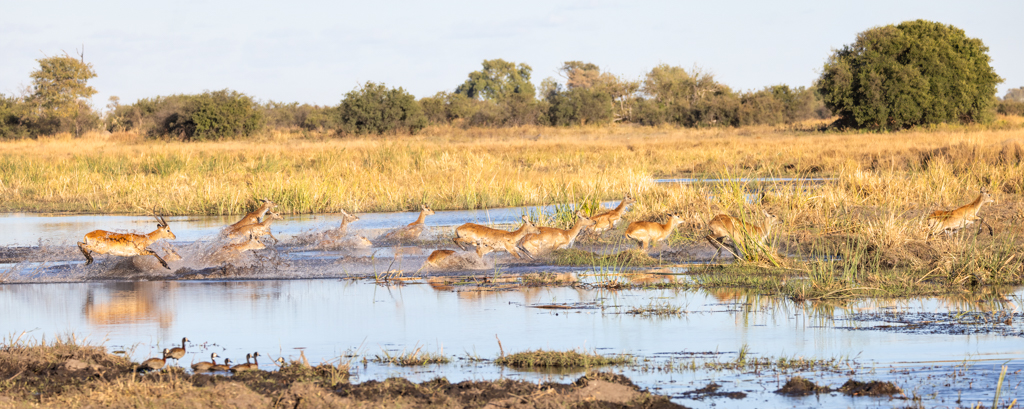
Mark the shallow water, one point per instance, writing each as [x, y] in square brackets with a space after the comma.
[328, 319]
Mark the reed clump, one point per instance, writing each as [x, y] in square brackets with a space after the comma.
[560, 359]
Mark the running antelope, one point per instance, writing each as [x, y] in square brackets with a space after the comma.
[125, 244]
[257, 230]
[549, 238]
[338, 233]
[412, 230]
[607, 220]
[647, 234]
[738, 232]
[952, 220]
[487, 239]
[254, 216]
[231, 251]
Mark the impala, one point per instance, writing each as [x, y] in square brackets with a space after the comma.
[952, 220]
[412, 230]
[487, 239]
[125, 244]
[739, 232]
[338, 233]
[254, 217]
[607, 220]
[257, 230]
[647, 234]
[549, 238]
[231, 251]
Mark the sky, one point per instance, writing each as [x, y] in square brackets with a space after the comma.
[316, 51]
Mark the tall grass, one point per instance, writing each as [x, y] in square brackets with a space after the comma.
[451, 168]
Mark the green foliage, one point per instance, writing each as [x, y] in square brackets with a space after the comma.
[459, 109]
[581, 106]
[1010, 108]
[376, 109]
[59, 92]
[12, 122]
[208, 116]
[1014, 95]
[919, 72]
[498, 80]
[779, 104]
[687, 99]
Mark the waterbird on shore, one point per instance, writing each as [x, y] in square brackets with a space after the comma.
[220, 368]
[178, 353]
[153, 364]
[205, 366]
[247, 366]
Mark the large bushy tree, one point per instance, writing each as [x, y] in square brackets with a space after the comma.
[377, 109]
[498, 80]
[60, 92]
[917, 72]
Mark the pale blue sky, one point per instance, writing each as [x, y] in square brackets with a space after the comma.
[314, 52]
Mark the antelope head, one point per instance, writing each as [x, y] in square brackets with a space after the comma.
[769, 221]
[426, 210]
[586, 222]
[628, 199]
[347, 217]
[273, 216]
[530, 227]
[270, 205]
[675, 219]
[985, 196]
[163, 231]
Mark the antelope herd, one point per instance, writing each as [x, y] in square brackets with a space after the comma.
[528, 240]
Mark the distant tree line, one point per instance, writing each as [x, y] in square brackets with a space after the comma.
[891, 77]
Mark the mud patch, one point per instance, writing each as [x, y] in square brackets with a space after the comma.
[872, 388]
[710, 391]
[1003, 323]
[799, 386]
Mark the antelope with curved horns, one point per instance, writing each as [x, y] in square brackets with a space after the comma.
[125, 244]
[607, 220]
[647, 234]
[256, 230]
[952, 220]
[487, 239]
[254, 216]
[738, 232]
[549, 238]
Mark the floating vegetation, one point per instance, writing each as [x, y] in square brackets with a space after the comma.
[656, 310]
[560, 359]
[417, 357]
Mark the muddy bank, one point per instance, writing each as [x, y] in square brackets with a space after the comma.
[66, 375]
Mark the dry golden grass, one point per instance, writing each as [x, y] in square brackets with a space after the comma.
[453, 168]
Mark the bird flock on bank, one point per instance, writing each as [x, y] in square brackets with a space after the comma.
[177, 353]
[528, 240]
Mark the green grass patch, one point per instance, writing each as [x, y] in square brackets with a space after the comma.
[560, 359]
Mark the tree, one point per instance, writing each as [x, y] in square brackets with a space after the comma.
[60, 89]
[498, 80]
[377, 109]
[918, 72]
[1014, 94]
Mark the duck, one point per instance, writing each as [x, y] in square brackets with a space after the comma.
[178, 353]
[153, 364]
[221, 368]
[247, 366]
[205, 366]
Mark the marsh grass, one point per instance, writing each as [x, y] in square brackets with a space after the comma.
[653, 309]
[416, 357]
[560, 359]
[616, 261]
